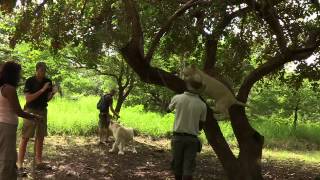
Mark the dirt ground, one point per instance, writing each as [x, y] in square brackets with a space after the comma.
[83, 158]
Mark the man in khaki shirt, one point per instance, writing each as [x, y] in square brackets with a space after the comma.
[190, 113]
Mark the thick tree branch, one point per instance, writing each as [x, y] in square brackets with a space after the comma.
[273, 64]
[126, 83]
[218, 142]
[150, 74]
[100, 72]
[213, 39]
[227, 20]
[130, 85]
[129, 77]
[167, 25]
[122, 72]
[268, 13]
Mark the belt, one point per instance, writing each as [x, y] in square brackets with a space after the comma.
[183, 134]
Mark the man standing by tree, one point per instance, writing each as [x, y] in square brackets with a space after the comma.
[38, 92]
[190, 112]
[104, 104]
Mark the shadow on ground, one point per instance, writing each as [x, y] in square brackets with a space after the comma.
[82, 158]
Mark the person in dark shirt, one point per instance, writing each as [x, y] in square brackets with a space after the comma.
[38, 92]
[104, 104]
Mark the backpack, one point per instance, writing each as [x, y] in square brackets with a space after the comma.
[103, 103]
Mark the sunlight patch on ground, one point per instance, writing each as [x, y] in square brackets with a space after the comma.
[309, 157]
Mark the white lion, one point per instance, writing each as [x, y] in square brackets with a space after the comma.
[122, 136]
[213, 88]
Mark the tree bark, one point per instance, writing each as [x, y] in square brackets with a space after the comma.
[124, 89]
[247, 165]
[120, 101]
[122, 95]
[149, 74]
[250, 145]
[250, 141]
[220, 146]
[135, 58]
[166, 27]
[295, 120]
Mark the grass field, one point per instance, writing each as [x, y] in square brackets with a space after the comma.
[80, 117]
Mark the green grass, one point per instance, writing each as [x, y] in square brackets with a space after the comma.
[309, 157]
[147, 123]
[279, 134]
[72, 117]
[80, 117]
[76, 117]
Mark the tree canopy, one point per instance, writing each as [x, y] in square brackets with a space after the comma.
[239, 42]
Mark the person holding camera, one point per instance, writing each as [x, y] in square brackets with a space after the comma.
[38, 92]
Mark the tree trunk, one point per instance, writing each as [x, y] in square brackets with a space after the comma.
[250, 145]
[123, 92]
[220, 146]
[295, 120]
[120, 101]
[121, 97]
[247, 166]
[149, 74]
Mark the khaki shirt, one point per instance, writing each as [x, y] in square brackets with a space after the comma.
[190, 110]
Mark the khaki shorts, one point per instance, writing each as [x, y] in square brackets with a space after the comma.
[8, 153]
[31, 128]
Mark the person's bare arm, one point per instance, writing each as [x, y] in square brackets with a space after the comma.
[11, 94]
[32, 96]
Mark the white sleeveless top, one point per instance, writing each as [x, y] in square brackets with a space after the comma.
[7, 115]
